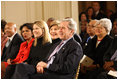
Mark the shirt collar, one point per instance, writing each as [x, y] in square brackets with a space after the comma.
[91, 37]
[97, 12]
[12, 37]
[66, 40]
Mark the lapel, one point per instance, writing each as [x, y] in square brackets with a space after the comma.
[11, 44]
[61, 51]
[52, 49]
[101, 44]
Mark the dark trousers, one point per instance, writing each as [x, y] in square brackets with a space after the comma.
[23, 71]
[104, 75]
[52, 75]
[9, 71]
[90, 74]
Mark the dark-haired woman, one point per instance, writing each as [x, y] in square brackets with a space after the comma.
[90, 13]
[54, 31]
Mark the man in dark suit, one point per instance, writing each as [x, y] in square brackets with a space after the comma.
[13, 44]
[98, 13]
[64, 56]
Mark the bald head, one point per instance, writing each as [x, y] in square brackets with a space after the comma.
[10, 29]
[11, 24]
[90, 28]
[92, 22]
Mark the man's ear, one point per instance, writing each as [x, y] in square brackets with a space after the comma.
[15, 29]
[72, 31]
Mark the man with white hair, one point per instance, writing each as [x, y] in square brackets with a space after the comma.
[13, 44]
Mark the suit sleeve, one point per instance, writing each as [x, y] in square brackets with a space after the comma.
[69, 62]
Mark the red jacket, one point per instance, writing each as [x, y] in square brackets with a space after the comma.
[23, 52]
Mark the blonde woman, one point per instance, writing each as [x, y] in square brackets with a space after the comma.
[38, 51]
[42, 40]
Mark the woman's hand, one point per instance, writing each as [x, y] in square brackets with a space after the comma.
[9, 61]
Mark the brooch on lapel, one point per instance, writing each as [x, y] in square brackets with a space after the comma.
[63, 48]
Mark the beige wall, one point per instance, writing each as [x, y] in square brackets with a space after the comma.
[21, 12]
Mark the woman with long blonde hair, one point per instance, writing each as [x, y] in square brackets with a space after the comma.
[44, 33]
[41, 43]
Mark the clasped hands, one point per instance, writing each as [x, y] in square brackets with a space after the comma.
[90, 68]
[40, 67]
[108, 65]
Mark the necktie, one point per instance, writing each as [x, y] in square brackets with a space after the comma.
[88, 39]
[55, 51]
[8, 42]
[114, 57]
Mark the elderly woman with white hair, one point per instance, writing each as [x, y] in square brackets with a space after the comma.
[97, 47]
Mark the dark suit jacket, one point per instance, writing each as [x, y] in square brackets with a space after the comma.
[98, 53]
[66, 61]
[77, 38]
[100, 16]
[13, 48]
[111, 51]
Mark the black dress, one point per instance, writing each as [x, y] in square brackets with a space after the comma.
[38, 52]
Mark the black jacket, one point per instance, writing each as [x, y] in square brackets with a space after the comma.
[97, 54]
[13, 48]
[66, 61]
[100, 16]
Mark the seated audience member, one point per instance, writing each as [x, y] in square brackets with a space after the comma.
[54, 31]
[83, 24]
[114, 29]
[98, 13]
[4, 37]
[96, 49]
[13, 44]
[83, 33]
[49, 21]
[26, 32]
[109, 13]
[65, 55]
[38, 51]
[90, 13]
[110, 61]
[90, 32]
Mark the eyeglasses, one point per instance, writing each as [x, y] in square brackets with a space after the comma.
[99, 27]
